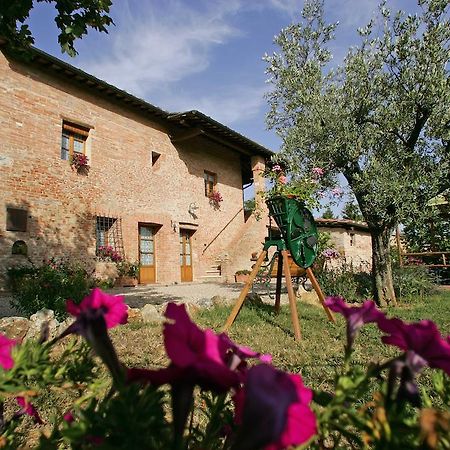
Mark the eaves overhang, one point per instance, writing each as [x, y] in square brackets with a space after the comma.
[183, 124]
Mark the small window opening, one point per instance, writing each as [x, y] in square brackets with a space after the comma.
[352, 239]
[19, 248]
[210, 179]
[155, 157]
[16, 219]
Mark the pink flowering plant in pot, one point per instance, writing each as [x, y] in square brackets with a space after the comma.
[309, 187]
[215, 199]
[80, 163]
[108, 253]
[215, 394]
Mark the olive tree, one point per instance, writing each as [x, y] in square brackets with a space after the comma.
[381, 117]
[73, 19]
[351, 212]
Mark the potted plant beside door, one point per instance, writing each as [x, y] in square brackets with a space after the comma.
[128, 274]
[242, 276]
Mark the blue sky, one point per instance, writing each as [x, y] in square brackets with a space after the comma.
[199, 54]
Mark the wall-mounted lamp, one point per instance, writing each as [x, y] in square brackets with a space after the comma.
[175, 225]
[192, 210]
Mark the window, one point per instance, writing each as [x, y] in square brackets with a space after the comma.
[19, 248]
[210, 179]
[73, 140]
[109, 240]
[16, 219]
[155, 157]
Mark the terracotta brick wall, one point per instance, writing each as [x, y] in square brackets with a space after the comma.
[62, 204]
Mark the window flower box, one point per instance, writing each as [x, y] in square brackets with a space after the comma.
[80, 163]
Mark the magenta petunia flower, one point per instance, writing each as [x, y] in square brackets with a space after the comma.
[356, 316]
[95, 314]
[422, 338]
[112, 307]
[27, 408]
[6, 345]
[235, 355]
[273, 410]
[197, 356]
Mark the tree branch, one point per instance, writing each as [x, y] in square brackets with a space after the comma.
[422, 116]
[394, 132]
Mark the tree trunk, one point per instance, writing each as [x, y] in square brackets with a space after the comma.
[383, 287]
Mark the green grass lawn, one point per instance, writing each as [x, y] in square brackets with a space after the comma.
[315, 357]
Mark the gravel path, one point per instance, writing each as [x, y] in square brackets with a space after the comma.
[200, 294]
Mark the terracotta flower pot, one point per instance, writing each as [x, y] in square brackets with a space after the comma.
[126, 282]
[241, 278]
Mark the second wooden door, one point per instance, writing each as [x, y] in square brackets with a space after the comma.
[186, 255]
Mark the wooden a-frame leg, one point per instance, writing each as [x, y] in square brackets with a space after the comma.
[291, 295]
[278, 288]
[238, 305]
[319, 292]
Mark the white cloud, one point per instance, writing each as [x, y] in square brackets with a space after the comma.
[229, 105]
[157, 45]
[351, 13]
[291, 7]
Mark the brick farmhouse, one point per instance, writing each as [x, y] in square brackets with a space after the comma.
[145, 194]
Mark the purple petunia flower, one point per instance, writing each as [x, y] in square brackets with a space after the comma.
[273, 410]
[422, 338]
[356, 316]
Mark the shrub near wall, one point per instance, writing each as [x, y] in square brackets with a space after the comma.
[345, 281]
[48, 286]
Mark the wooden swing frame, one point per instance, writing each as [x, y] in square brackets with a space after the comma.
[283, 263]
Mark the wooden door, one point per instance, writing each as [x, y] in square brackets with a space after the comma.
[186, 255]
[147, 272]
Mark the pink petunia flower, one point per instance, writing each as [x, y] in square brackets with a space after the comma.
[27, 408]
[421, 338]
[273, 410]
[282, 179]
[112, 307]
[6, 345]
[356, 316]
[317, 171]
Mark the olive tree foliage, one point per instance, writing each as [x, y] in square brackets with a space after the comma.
[381, 118]
[351, 211]
[73, 19]
[429, 232]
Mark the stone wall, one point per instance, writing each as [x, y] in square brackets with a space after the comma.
[354, 245]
